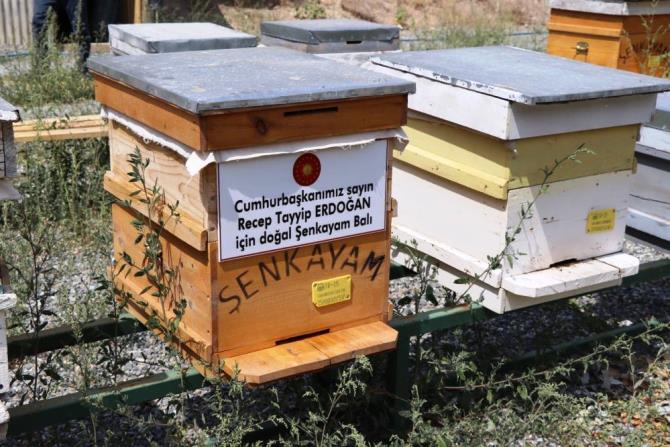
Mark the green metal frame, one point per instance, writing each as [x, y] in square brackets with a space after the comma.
[40, 414]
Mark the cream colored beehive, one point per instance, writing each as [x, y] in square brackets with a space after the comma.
[483, 125]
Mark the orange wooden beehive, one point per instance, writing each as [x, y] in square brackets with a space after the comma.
[238, 138]
[629, 35]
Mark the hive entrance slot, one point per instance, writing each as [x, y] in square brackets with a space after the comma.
[354, 42]
[311, 111]
[563, 263]
[301, 337]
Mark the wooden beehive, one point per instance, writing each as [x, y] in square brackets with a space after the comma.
[150, 38]
[629, 35]
[650, 195]
[277, 121]
[345, 40]
[484, 125]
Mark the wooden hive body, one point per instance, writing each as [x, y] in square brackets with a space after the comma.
[630, 36]
[650, 195]
[257, 310]
[489, 163]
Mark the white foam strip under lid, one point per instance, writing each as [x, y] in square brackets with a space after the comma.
[9, 116]
[197, 160]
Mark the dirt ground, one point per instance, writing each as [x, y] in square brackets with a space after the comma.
[410, 14]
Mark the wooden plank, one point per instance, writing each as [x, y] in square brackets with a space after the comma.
[185, 228]
[196, 195]
[254, 126]
[192, 281]
[52, 129]
[347, 344]
[276, 362]
[303, 121]
[176, 123]
[268, 298]
[312, 353]
[564, 278]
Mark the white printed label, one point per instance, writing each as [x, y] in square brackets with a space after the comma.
[278, 202]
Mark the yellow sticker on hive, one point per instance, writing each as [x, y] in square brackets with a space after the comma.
[601, 220]
[331, 291]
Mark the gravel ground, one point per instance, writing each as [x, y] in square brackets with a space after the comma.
[528, 329]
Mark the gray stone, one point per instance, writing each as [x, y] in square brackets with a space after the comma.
[521, 76]
[200, 81]
[173, 37]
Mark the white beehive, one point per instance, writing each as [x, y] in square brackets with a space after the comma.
[483, 125]
[8, 115]
[148, 38]
[650, 196]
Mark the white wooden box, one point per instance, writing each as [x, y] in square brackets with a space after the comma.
[650, 196]
[8, 115]
[570, 242]
[7, 301]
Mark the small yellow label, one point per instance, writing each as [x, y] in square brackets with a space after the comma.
[601, 220]
[331, 291]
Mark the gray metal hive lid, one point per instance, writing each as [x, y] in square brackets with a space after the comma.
[200, 81]
[8, 112]
[172, 37]
[318, 31]
[522, 76]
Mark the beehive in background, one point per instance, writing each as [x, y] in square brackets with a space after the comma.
[8, 115]
[345, 40]
[484, 126]
[629, 35]
[148, 38]
[650, 196]
[280, 162]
